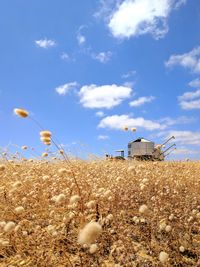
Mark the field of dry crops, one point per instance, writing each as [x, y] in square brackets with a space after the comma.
[99, 213]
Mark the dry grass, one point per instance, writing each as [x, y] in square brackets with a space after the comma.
[143, 208]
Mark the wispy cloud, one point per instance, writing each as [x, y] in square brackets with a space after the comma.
[190, 100]
[167, 121]
[45, 43]
[141, 101]
[190, 60]
[105, 96]
[185, 151]
[100, 114]
[65, 56]
[138, 17]
[65, 88]
[118, 122]
[129, 74]
[80, 36]
[103, 137]
[102, 57]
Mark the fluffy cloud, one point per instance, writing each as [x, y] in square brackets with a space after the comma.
[118, 122]
[141, 101]
[137, 17]
[45, 43]
[185, 137]
[105, 96]
[190, 100]
[102, 57]
[65, 88]
[190, 60]
[195, 83]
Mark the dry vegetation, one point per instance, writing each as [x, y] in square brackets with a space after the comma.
[142, 214]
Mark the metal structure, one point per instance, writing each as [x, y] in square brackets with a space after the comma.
[142, 149]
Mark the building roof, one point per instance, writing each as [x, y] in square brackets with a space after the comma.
[141, 139]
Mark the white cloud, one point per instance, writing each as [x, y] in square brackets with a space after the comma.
[45, 43]
[188, 105]
[129, 74]
[64, 56]
[80, 37]
[141, 101]
[179, 120]
[105, 96]
[195, 83]
[190, 100]
[103, 137]
[118, 122]
[65, 88]
[184, 137]
[105, 8]
[99, 114]
[137, 17]
[190, 60]
[103, 57]
[185, 151]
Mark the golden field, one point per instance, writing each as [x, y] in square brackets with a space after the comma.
[145, 213]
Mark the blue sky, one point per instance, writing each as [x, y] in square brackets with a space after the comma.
[85, 69]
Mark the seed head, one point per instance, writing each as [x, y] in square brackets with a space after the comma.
[19, 210]
[181, 249]
[89, 233]
[46, 133]
[143, 208]
[163, 257]
[9, 226]
[74, 199]
[45, 154]
[21, 112]
[93, 248]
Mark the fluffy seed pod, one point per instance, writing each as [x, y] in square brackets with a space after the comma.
[19, 210]
[143, 208]
[133, 129]
[125, 128]
[163, 257]
[24, 147]
[60, 198]
[168, 228]
[181, 249]
[9, 227]
[89, 233]
[93, 248]
[45, 154]
[21, 112]
[46, 134]
[90, 204]
[74, 199]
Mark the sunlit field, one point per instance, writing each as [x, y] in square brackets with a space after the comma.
[56, 212]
